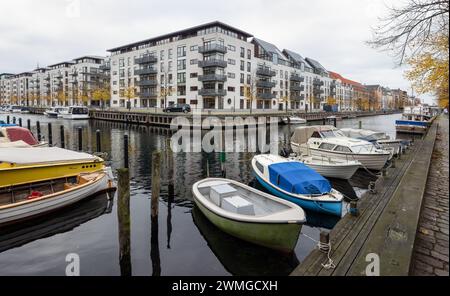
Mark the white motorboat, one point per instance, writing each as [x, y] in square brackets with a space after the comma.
[416, 120]
[330, 167]
[75, 113]
[294, 120]
[55, 111]
[24, 202]
[15, 109]
[327, 141]
[249, 214]
[379, 138]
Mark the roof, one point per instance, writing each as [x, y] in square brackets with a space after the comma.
[90, 57]
[297, 178]
[269, 47]
[297, 58]
[183, 32]
[335, 75]
[42, 155]
[62, 63]
[316, 65]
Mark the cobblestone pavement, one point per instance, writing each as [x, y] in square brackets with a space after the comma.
[431, 248]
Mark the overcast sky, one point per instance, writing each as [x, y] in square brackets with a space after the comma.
[331, 31]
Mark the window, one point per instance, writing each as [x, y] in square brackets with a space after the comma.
[170, 66]
[162, 67]
[249, 67]
[343, 149]
[181, 78]
[231, 75]
[122, 73]
[241, 91]
[326, 146]
[242, 66]
[194, 62]
[161, 55]
[181, 90]
[231, 47]
[194, 88]
[249, 79]
[181, 51]
[242, 52]
[121, 63]
[230, 88]
[231, 62]
[194, 47]
[169, 53]
[242, 78]
[114, 82]
[194, 75]
[181, 65]
[249, 54]
[260, 167]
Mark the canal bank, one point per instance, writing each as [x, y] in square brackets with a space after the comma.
[385, 229]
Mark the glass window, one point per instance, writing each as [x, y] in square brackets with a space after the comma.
[181, 65]
[260, 167]
[342, 149]
[181, 51]
[242, 52]
[170, 53]
[249, 67]
[326, 146]
[242, 66]
[249, 54]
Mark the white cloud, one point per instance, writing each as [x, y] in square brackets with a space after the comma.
[333, 32]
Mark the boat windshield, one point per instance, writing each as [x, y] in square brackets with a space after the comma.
[366, 148]
[331, 134]
[79, 110]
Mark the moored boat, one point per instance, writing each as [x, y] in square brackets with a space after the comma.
[16, 136]
[297, 183]
[330, 167]
[75, 113]
[24, 165]
[249, 214]
[415, 120]
[55, 111]
[379, 138]
[294, 120]
[21, 202]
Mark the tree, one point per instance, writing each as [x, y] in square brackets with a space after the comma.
[285, 99]
[129, 93]
[406, 31]
[430, 69]
[331, 101]
[250, 92]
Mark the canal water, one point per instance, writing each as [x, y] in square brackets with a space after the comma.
[183, 242]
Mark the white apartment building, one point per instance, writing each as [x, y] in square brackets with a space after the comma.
[5, 88]
[214, 66]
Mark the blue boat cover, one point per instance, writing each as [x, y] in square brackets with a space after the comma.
[297, 178]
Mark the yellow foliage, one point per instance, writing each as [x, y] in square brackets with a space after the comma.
[331, 101]
[429, 70]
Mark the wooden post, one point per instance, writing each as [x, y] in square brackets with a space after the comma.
[324, 241]
[61, 135]
[99, 144]
[360, 124]
[7, 119]
[156, 182]
[29, 124]
[223, 159]
[80, 138]
[123, 214]
[38, 130]
[125, 151]
[14, 120]
[171, 189]
[335, 122]
[393, 162]
[20, 122]
[354, 208]
[50, 135]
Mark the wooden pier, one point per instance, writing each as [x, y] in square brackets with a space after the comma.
[386, 225]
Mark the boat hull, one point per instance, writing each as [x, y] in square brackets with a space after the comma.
[29, 210]
[338, 172]
[75, 117]
[279, 236]
[328, 207]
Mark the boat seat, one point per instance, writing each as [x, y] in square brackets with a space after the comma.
[68, 186]
[238, 205]
[219, 192]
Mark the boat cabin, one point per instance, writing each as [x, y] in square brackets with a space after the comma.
[11, 134]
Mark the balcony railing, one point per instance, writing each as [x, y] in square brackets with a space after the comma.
[212, 48]
[146, 60]
[145, 71]
[265, 72]
[212, 92]
[212, 77]
[212, 63]
[297, 97]
[318, 82]
[105, 67]
[296, 77]
[318, 91]
[148, 82]
[265, 84]
[265, 96]
[297, 87]
[148, 94]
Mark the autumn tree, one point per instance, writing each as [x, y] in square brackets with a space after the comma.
[129, 93]
[250, 92]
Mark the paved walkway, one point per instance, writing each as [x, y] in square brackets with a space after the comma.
[431, 249]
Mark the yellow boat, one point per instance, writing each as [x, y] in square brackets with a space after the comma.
[26, 165]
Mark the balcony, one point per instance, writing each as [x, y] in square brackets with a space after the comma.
[265, 96]
[105, 67]
[212, 77]
[146, 71]
[47, 78]
[265, 84]
[148, 94]
[317, 82]
[318, 91]
[297, 78]
[206, 92]
[212, 63]
[297, 97]
[212, 48]
[297, 87]
[148, 82]
[265, 72]
[146, 60]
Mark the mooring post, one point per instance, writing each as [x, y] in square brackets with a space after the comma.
[324, 121]
[125, 151]
[80, 138]
[372, 188]
[223, 159]
[324, 241]
[360, 124]
[335, 122]
[14, 120]
[354, 208]
[7, 119]
[383, 172]
[393, 162]
[61, 135]
[156, 182]
[50, 135]
[207, 167]
[29, 124]
[123, 213]
[38, 130]
[98, 140]
[20, 122]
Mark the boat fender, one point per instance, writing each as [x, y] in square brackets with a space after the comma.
[35, 194]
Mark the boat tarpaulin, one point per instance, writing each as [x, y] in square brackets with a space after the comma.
[20, 133]
[297, 178]
[42, 155]
[303, 133]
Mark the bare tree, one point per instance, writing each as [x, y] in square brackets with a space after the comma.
[405, 31]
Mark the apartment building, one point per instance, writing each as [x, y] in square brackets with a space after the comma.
[215, 66]
[5, 88]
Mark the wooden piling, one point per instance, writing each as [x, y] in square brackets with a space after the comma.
[38, 130]
[29, 124]
[80, 138]
[156, 182]
[125, 151]
[14, 120]
[7, 119]
[61, 135]
[50, 134]
[98, 140]
[123, 214]
[20, 122]
[360, 124]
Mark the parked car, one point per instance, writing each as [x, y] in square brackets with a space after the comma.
[185, 108]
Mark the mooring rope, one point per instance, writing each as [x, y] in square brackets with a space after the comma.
[325, 248]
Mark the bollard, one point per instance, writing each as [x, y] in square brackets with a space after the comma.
[360, 124]
[80, 138]
[7, 119]
[354, 208]
[61, 135]
[156, 182]
[123, 213]
[125, 151]
[20, 122]
[99, 145]
[38, 130]
[324, 245]
[50, 135]
[29, 124]
[14, 120]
